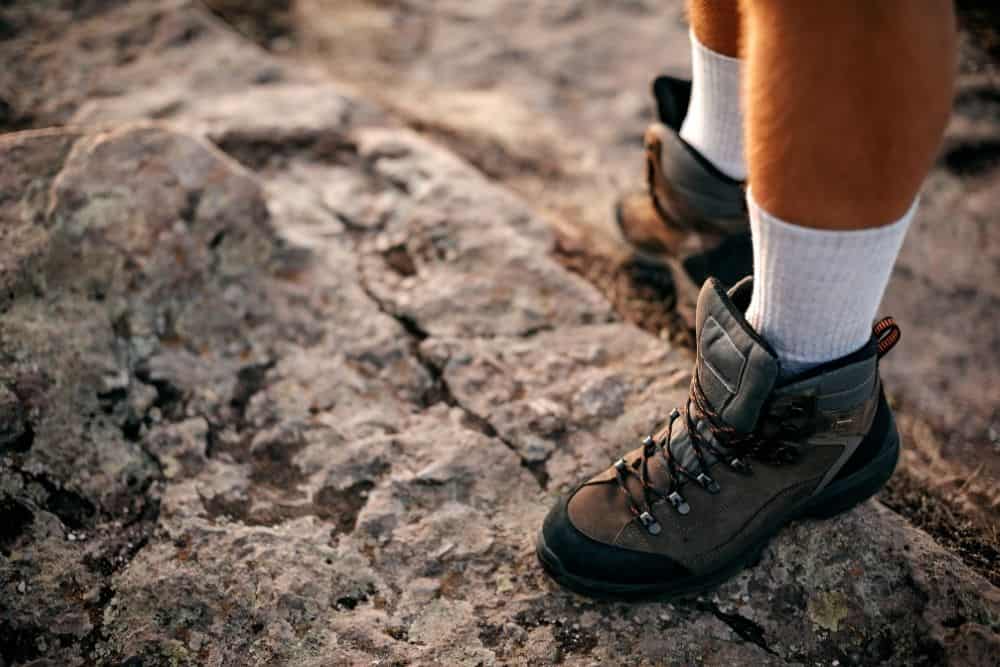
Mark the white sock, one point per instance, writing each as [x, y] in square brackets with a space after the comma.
[714, 121]
[816, 291]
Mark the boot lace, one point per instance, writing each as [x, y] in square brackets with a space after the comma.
[708, 433]
[768, 443]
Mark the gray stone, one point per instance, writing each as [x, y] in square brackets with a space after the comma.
[14, 428]
[308, 403]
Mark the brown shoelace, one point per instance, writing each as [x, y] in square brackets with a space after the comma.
[737, 448]
[773, 449]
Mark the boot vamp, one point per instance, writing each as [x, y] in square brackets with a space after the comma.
[798, 436]
[748, 506]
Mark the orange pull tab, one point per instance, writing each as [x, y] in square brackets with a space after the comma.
[887, 332]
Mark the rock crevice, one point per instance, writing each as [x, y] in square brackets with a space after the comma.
[301, 385]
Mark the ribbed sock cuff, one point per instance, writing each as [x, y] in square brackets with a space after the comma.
[816, 291]
[714, 121]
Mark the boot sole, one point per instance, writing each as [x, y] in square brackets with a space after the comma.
[838, 497]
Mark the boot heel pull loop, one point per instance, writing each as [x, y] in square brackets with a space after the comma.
[887, 332]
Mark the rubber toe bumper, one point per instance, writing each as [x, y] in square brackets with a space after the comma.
[569, 554]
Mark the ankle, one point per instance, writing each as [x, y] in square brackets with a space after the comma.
[816, 292]
[714, 121]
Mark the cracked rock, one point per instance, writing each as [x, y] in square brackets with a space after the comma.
[297, 374]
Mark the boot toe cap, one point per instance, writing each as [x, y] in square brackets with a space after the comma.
[574, 555]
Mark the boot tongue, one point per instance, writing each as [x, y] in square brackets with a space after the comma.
[736, 367]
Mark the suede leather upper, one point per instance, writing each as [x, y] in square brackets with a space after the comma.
[593, 529]
[689, 210]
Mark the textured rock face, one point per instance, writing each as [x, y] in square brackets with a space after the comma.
[553, 104]
[284, 383]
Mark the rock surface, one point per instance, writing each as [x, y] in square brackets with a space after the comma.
[285, 382]
[553, 105]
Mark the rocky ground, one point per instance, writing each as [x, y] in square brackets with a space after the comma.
[551, 98]
[290, 376]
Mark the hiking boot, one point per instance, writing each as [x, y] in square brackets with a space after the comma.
[697, 501]
[690, 217]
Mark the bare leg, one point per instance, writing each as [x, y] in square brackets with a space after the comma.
[846, 102]
[717, 24]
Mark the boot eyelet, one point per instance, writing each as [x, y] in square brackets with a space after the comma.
[650, 523]
[708, 483]
[621, 466]
[677, 500]
[739, 465]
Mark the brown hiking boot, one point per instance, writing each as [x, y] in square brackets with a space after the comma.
[690, 217]
[699, 500]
